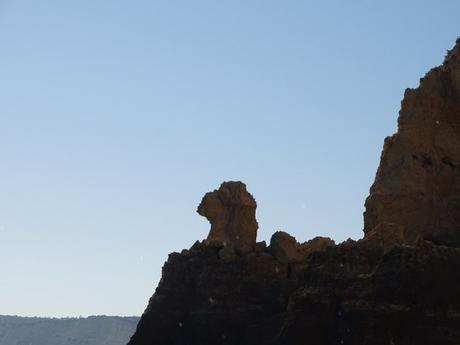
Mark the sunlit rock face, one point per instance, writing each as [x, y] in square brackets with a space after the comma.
[417, 186]
[231, 210]
[399, 285]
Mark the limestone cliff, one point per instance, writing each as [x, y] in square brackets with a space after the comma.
[399, 285]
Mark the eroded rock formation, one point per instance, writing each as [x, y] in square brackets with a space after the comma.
[286, 249]
[231, 210]
[417, 187]
[399, 285]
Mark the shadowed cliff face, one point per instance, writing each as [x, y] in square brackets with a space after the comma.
[399, 285]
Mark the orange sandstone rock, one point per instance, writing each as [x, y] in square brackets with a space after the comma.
[417, 187]
[231, 210]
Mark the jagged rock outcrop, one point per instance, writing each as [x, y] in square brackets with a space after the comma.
[350, 294]
[399, 285]
[231, 210]
[285, 248]
[417, 187]
[316, 244]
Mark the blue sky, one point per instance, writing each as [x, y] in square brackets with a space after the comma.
[116, 117]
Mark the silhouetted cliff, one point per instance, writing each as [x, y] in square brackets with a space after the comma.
[399, 285]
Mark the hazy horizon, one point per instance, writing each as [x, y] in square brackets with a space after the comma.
[117, 118]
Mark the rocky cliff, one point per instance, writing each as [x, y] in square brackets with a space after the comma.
[417, 187]
[399, 285]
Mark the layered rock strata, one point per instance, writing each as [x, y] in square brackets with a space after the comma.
[399, 285]
[417, 187]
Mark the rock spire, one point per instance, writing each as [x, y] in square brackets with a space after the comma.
[231, 210]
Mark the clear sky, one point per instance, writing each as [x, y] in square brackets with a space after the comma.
[117, 116]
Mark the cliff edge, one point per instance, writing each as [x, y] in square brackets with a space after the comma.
[399, 285]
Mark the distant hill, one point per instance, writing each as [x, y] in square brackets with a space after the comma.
[94, 330]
